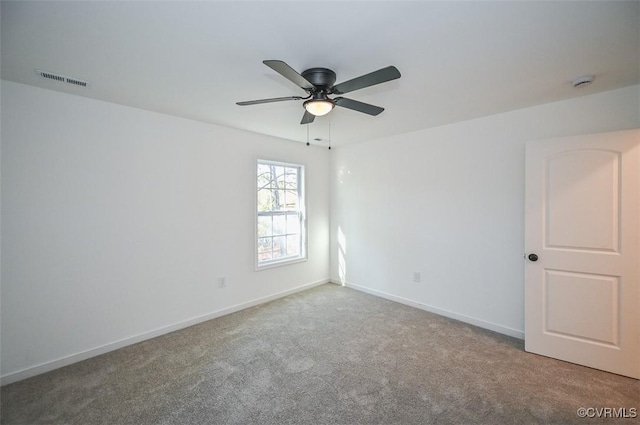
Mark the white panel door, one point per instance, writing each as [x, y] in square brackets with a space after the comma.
[582, 296]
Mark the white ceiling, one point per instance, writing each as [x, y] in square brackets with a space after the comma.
[459, 60]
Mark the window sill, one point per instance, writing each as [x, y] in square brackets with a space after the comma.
[281, 263]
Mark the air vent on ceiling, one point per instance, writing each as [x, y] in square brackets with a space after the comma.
[62, 78]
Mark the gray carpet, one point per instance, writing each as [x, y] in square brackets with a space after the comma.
[330, 355]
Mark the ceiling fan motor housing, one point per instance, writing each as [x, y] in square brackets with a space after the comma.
[321, 78]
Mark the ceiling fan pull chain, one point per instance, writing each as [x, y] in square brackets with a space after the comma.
[329, 132]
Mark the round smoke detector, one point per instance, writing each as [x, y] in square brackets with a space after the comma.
[583, 81]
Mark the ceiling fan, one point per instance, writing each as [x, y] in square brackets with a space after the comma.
[319, 84]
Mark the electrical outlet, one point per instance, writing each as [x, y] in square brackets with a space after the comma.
[222, 282]
[416, 276]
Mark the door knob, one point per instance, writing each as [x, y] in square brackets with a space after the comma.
[533, 257]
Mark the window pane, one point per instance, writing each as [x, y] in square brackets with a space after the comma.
[287, 200]
[279, 246]
[293, 245]
[264, 176]
[282, 203]
[293, 224]
[279, 224]
[264, 249]
[279, 177]
[291, 179]
[264, 226]
[265, 200]
[292, 199]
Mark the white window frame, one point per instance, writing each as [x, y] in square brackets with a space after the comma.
[301, 213]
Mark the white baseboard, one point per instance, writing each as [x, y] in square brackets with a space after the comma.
[446, 313]
[74, 358]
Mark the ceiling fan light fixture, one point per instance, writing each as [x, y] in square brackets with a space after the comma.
[318, 107]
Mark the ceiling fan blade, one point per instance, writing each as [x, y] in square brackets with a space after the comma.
[376, 77]
[357, 106]
[273, 99]
[307, 118]
[289, 73]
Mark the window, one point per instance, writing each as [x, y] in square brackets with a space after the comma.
[281, 219]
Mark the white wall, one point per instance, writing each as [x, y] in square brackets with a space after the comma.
[117, 222]
[448, 202]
